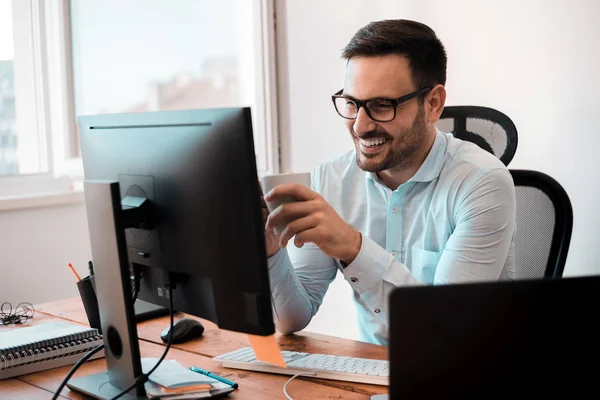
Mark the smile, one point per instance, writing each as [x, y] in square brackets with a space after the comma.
[372, 142]
[371, 146]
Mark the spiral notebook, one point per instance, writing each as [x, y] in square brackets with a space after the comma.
[45, 346]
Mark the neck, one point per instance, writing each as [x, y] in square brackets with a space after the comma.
[396, 176]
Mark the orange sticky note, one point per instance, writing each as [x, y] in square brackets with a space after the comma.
[267, 349]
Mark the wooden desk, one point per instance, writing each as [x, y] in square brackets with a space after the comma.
[198, 352]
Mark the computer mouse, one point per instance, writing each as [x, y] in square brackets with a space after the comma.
[184, 329]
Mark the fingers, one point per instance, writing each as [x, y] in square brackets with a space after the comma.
[295, 190]
[290, 211]
[308, 236]
[294, 227]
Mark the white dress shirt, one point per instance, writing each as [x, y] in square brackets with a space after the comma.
[453, 221]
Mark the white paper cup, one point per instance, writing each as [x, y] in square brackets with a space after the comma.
[269, 182]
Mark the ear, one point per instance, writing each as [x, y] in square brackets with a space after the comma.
[434, 103]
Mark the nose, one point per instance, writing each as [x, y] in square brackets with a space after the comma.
[362, 123]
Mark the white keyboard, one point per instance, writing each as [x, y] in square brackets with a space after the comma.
[362, 370]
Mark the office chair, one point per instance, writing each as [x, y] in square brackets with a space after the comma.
[544, 225]
[490, 129]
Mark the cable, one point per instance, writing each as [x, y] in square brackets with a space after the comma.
[74, 368]
[135, 281]
[289, 380]
[8, 315]
[140, 380]
[84, 358]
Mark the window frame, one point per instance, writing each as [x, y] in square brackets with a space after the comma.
[46, 24]
[265, 37]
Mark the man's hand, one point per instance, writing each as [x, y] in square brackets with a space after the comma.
[312, 219]
[271, 238]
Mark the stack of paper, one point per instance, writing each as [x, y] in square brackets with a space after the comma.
[173, 381]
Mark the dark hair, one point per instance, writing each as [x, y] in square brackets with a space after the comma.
[415, 41]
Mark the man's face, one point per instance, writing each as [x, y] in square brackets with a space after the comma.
[382, 146]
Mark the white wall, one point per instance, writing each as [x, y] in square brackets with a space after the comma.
[537, 61]
[35, 247]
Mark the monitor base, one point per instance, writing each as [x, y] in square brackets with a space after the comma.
[98, 387]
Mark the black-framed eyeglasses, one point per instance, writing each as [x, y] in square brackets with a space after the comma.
[380, 109]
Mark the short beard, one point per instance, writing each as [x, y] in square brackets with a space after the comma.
[409, 142]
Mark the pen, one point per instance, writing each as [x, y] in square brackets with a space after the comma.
[74, 272]
[219, 378]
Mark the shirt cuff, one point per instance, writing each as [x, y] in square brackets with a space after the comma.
[369, 267]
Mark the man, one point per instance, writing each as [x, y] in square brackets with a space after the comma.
[410, 205]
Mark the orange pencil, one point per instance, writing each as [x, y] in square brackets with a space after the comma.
[74, 272]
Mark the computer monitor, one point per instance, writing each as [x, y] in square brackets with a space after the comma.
[172, 197]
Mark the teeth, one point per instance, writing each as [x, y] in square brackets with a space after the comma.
[371, 143]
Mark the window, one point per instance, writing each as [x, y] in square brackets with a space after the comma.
[61, 58]
[22, 146]
[8, 127]
[142, 55]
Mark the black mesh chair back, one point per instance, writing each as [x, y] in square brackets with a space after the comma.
[544, 225]
[490, 129]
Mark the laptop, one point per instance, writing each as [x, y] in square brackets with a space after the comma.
[532, 338]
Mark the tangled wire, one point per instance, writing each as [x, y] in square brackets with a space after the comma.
[18, 315]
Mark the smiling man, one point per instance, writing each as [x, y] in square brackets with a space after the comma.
[410, 205]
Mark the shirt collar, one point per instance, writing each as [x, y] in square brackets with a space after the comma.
[431, 167]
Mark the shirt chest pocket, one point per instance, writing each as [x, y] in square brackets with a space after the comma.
[423, 264]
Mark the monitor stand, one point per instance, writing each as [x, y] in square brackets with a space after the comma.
[107, 221]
